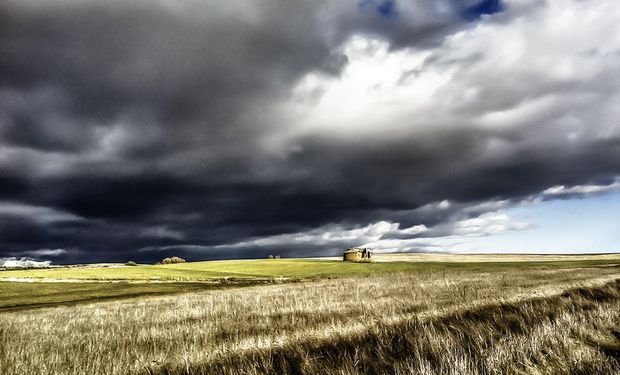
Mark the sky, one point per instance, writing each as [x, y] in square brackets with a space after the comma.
[136, 130]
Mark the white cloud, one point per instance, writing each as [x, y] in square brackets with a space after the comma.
[550, 75]
[333, 234]
[452, 239]
[561, 190]
[23, 263]
[386, 236]
[444, 205]
[40, 214]
[161, 231]
[488, 224]
[44, 253]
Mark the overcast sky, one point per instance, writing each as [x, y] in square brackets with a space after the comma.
[215, 129]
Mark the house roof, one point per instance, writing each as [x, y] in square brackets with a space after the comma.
[355, 250]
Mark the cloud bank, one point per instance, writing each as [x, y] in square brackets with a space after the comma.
[133, 130]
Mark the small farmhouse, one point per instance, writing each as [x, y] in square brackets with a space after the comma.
[356, 254]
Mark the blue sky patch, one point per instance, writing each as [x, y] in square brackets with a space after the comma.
[474, 12]
[385, 8]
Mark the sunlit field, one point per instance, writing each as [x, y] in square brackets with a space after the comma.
[540, 317]
[274, 269]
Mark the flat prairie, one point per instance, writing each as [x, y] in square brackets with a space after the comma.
[529, 316]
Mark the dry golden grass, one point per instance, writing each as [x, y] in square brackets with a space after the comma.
[526, 321]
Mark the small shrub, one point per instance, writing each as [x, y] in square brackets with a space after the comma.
[270, 256]
[172, 260]
[131, 263]
[277, 256]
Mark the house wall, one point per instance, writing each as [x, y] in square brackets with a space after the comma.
[352, 256]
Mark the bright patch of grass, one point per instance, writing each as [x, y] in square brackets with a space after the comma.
[279, 268]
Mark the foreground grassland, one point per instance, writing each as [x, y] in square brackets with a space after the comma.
[550, 318]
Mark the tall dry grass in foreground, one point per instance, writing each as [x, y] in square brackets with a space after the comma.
[497, 322]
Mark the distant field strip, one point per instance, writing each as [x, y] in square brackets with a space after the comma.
[476, 258]
[303, 268]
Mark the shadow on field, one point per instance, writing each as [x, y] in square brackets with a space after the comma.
[576, 332]
[15, 296]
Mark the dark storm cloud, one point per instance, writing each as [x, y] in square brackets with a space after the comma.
[144, 129]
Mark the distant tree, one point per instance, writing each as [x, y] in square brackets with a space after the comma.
[172, 260]
[270, 256]
[131, 263]
[277, 256]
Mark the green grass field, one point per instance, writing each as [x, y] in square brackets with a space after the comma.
[129, 282]
[265, 269]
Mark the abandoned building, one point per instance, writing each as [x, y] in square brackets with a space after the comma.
[356, 254]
